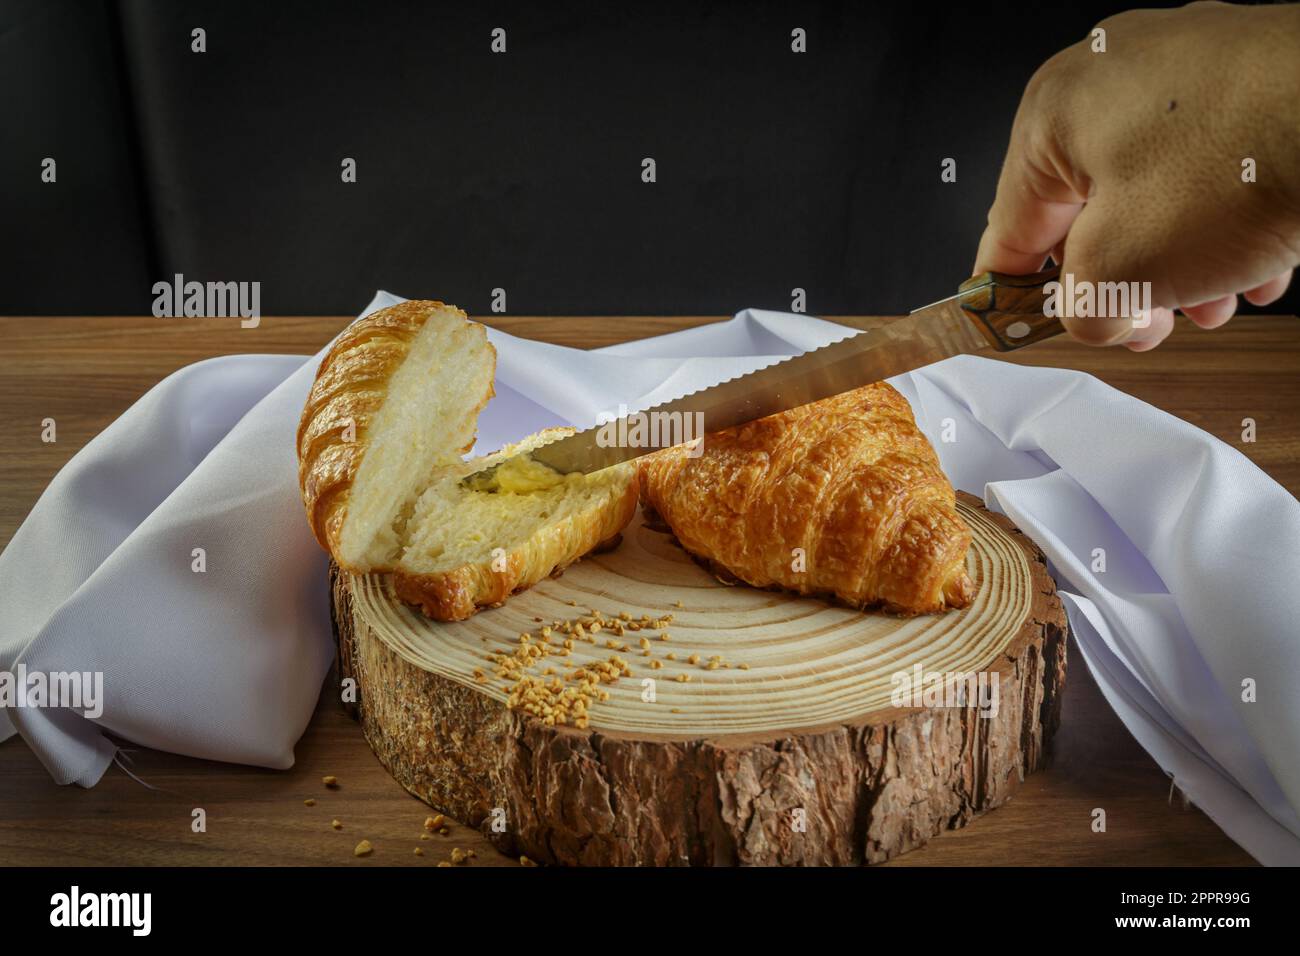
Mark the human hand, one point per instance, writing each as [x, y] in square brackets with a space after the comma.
[1128, 165]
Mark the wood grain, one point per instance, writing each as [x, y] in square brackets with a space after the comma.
[85, 371]
[714, 771]
[806, 662]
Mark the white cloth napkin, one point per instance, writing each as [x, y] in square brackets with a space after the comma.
[1202, 554]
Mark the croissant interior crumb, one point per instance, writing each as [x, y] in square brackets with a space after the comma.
[408, 505]
[453, 525]
[421, 424]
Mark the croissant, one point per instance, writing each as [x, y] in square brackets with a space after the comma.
[840, 498]
[394, 406]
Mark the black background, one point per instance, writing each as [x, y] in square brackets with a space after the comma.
[301, 906]
[522, 171]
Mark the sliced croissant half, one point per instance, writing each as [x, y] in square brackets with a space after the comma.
[393, 408]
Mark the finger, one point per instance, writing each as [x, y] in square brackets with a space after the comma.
[1031, 214]
[1143, 340]
[1090, 260]
[1018, 240]
[1270, 291]
[1212, 314]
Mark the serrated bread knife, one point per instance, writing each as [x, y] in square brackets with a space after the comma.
[991, 311]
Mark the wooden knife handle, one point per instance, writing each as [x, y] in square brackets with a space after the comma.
[1009, 309]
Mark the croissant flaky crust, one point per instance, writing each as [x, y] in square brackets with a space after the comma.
[393, 408]
[350, 388]
[850, 481]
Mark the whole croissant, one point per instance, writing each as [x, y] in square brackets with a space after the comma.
[843, 497]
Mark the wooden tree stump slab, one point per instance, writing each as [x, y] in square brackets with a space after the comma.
[798, 757]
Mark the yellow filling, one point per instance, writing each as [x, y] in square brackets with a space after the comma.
[521, 476]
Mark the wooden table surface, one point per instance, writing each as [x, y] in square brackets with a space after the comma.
[84, 372]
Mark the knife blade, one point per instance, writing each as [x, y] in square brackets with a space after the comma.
[989, 311]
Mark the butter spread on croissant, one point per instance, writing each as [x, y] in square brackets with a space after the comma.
[850, 480]
[520, 476]
[393, 408]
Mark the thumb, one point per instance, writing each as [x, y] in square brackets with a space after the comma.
[1031, 214]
